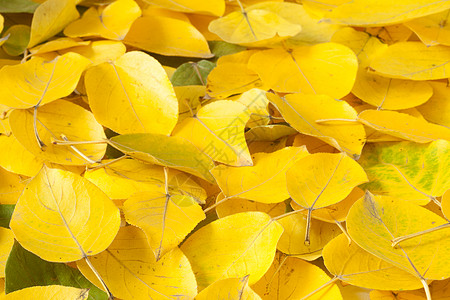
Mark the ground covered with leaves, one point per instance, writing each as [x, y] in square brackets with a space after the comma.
[225, 149]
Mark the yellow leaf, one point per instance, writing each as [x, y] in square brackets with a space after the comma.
[99, 51]
[256, 102]
[232, 76]
[54, 292]
[189, 98]
[169, 36]
[165, 217]
[6, 243]
[320, 8]
[62, 217]
[167, 151]
[432, 29]
[445, 203]
[123, 178]
[326, 68]
[130, 270]
[404, 126]
[293, 278]
[323, 179]
[217, 129]
[11, 186]
[303, 111]
[56, 121]
[391, 34]
[57, 45]
[235, 246]
[383, 12]
[132, 95]
[313, 144]
[230, 288]
[237, 205]
[38, 81]
[437, 109]
[110, 22]
[265, 181]
[50, 18]
[439, 290]
[292, 239]
[407, 170]
[258, 24]
[375, 220]
[386, 93]
[212, 7]
[269, 133]
[355, 266]
[412, 60]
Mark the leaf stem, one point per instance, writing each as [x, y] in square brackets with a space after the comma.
[400, 239]
[333, 280]
[344, 231]
[110, 295]
[426, 288]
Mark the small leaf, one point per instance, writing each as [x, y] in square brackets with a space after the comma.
[137, 86]
[192, 73]
[130, 270]
[50, 18]
[25, 269]
[62, 217]
[250, 240]
[38, 81]
[165, 151]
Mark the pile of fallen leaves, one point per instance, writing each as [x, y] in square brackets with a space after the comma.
[225, 149]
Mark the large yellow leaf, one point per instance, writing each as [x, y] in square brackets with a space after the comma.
[383, 12]
[56, 121]
[54, 292]
[130, 270]
[235, 246]
[355, 266]
[167, 151]
[413, 60]
[293, 278]
[230, 288]
[110, 22]
[387, 93]
[38, 81]
[232, 76]
[327, 68]
[6, 243]
[165, 217]
[100, 51]
[265, 181]
[168, 36]
[437, 109]
[121, 179]
[408, 170]
[58, 45]
[50, 18]
[292, 240]
[404, 126]
[432, 29]
[218, 130]
[132, 95]
[302, 111]
[212, 7]
[375, 220]
[258, 24]
[62, 217]
[257, 105]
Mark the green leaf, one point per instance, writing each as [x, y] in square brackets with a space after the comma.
[24, 269]
[6, 211]
[220, 48]
[192, 73]
[18, 6]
